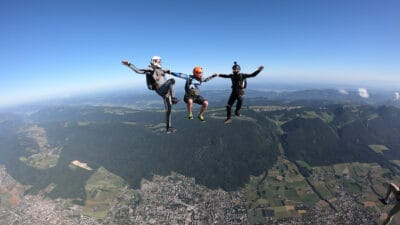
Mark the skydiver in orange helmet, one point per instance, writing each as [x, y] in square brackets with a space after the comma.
[192, 91]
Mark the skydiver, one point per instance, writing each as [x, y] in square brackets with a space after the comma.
[156, 80]
[192, 91]
[392, 188]
[239, 83]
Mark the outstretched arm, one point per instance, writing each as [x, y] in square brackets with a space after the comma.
[255, 73]
[224, 75]
[211, 77]
[134, 68]
[180, 75]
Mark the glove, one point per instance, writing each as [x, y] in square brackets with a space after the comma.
[126, 63]
[210, 77]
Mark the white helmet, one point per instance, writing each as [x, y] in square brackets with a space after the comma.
[156, 61]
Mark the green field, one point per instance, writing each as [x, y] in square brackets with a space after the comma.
[379, 148]
[102, 189]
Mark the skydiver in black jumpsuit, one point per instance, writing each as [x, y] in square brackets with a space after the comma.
[238, 85]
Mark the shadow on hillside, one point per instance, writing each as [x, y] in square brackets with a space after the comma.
[216, 155]
[346, 139]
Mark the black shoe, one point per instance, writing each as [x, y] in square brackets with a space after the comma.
[383, 201]
[174, 100]
[170, 130]
[237, 113]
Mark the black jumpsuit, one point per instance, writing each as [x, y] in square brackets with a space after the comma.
[238, 85]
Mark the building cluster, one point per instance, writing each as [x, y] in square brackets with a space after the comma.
[35, 209]
[177, 199]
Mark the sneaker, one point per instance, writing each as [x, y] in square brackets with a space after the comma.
[383, 201]
[174, 100]
[228, 120]
[190, 116]
[201, 118]
[171, 130]
[237, 113]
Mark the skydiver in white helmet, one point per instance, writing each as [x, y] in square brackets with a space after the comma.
[156, 80]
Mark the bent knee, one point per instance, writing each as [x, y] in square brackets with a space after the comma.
[205, 103]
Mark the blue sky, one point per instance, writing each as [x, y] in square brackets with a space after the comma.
[57, 48]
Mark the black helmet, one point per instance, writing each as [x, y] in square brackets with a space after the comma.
[235, 66]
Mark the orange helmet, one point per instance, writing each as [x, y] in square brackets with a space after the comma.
[197, 72]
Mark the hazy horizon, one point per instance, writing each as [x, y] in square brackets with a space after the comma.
[222, 85]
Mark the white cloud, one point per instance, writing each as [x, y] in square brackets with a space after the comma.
[363, 93]
[397, 95]
[343, 92]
